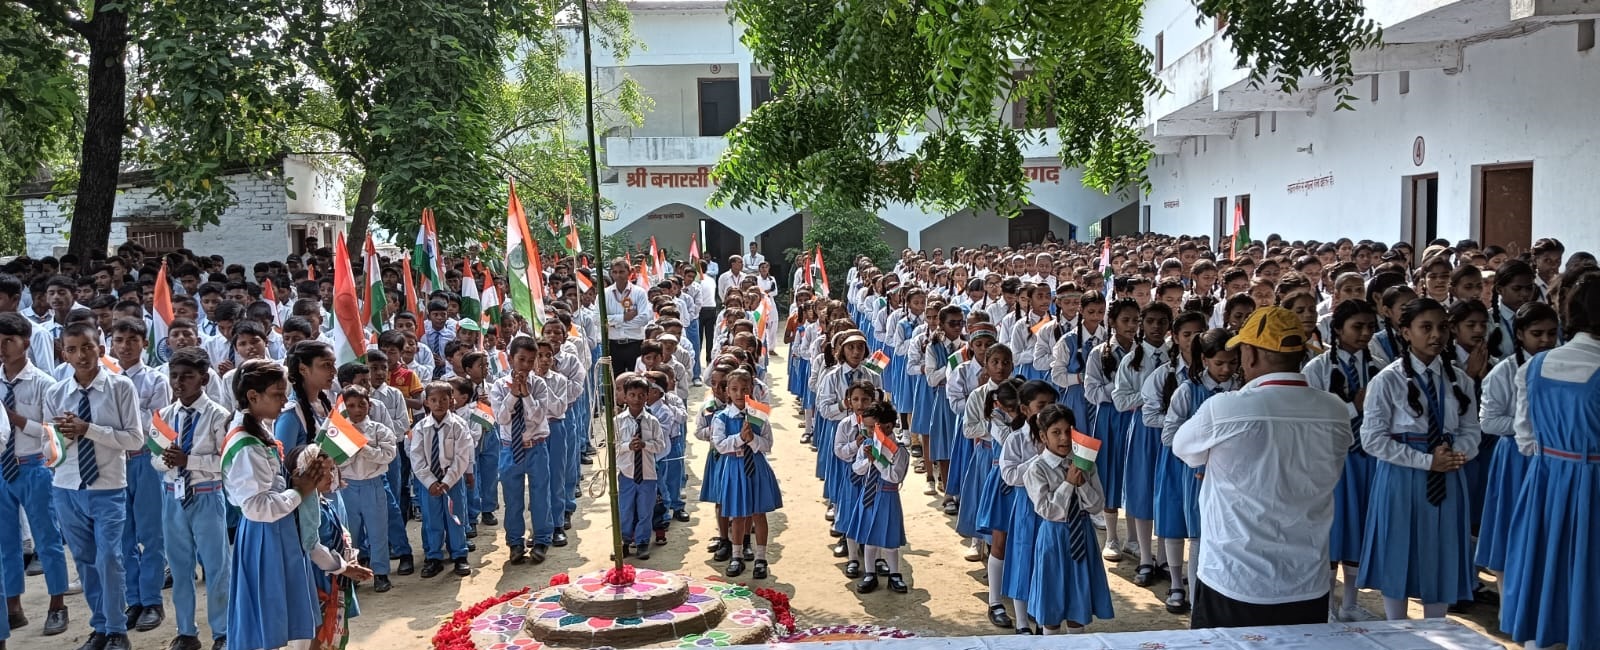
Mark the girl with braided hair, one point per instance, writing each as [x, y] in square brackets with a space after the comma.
[1109, 422]
[1421, 423]
[1169, 473]
[1144, 440]
[1514, 286]
[311, 373]
[1535, 331]
[1210, 369]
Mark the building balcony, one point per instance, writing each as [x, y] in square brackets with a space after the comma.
[699, 151]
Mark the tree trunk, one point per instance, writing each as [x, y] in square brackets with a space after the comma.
[104, 125]
[362, 219]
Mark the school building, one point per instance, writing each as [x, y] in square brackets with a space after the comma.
[702, 81]
[1477, 118]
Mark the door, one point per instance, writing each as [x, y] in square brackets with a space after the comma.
[719, 106]
[1505, 215]
[1420, 223]
[1219, 221]
[1028, 227]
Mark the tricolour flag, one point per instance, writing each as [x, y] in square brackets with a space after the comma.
[756, 413]
[822, 272]
[163, 436]
[425, 253]
[536, 314]
[349, 333]
[341, 439]
[471, 302]
[694, 256]
[585, 285]
[878, 361]
[110, 364]
[483, 415]
[1085, 449]
[413, 302]
[161, 319]
[1039, 326]
[1241, 232]
[654, 266]
[55, 446]
[490, 299]
[573, 244]
[882, 447]
[376, 301]
[1105, 269]
[519, 256]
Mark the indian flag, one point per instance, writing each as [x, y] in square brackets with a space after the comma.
[111, 364]
[425, 253]
[572, 243]
[518, 256]
[959, 356]
[163, 437]
[349, 333]
[1085, 449]
[822, 273]
[377, 300]
[235, 443]
[161, 318]
[585, 285]
[342, 438]
[55, 446]
[471, 303]
[882, 447]
[1039, 326]
[484, 416]
[490, 299]
[536, 313]
[757, 413]
[878, 361]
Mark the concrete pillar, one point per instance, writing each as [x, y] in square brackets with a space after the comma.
[913, 240]
[746, 101]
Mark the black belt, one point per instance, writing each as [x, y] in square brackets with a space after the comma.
[626, 341]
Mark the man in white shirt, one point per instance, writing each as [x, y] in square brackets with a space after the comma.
[732, 278]
[754, 258]
[628, 312]
[1272, 453]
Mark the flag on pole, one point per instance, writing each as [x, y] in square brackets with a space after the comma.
[425, 253]
[163, 436]
[572, 242]
[471, 302]
[1105, 269]
[341, 439]
[349, 337]
[822, 270]
[585, 285]
[655, 262]
[490, 299]
[756, 413]
[377, 300]
[694, 258]
[536, 313]
[412, 299]
[520, 255]
[1085, 449]
[1241, 232]
[161, 318]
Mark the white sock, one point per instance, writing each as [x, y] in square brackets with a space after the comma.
[1022, 612]
[853, 550]
[1394, 609]
[996, 573]
[1075, 630]
[1052, 631]
[1333, 583]
[761, 552]
[1434, 610]
[1112, 535]
[1144, 529]
[1193, 564]
[1174, 552]
[1531, 645]
[892, 556]
[1350, 587]
[868, 555]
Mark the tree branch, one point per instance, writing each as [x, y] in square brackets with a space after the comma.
[56, 14]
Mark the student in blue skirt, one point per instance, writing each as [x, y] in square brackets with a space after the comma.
[1070, 356]
[1068, 584]
[881, 465]
[1346, 369]
[1018, 451]
[940, 347]
[311, 371]
[851, 350]
[1144, 440]
[1001, 419]
[1421, 424]
[710, 475]
[1552, 587]
[975, 452]
[1032, 308]
[1534, 331]
[847, 441]
[1210, 369]
[271, 600]
[749, 488]
[1110, 425]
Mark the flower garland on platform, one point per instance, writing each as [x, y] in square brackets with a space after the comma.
[456, 634]
[620, 577]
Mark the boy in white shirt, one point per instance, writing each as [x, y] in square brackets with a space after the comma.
[441, 450]
[640, 441]
[366, 495]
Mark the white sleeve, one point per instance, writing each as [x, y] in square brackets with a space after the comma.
[1150, 410]
[1125, 387]
[1497, 412]
[1522, 426]
[1385, 394]
[1177, 413]
[249, 481]
[1193, 440]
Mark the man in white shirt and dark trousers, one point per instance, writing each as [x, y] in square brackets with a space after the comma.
[1272, 453]
[627, 312]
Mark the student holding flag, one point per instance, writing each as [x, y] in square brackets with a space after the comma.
[363, 448]
[880, 528]
[187, 445]
[29, 452]
[1068, 581]
[742, 435]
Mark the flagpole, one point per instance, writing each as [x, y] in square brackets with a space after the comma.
[607, 387]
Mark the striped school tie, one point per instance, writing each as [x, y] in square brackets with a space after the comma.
[519, 428]
[749, 460]
[186, 443]
[1077, 533]
[88, 466]
[9, 468]
[1436, 437]
[433, 460]
[869, 489]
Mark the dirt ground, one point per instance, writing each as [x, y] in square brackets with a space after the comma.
[947, 595]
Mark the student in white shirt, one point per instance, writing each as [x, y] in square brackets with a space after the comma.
[25, 476]
[365, 495]
[142, 556]
[1275, 446]
[640, 443]
[441, 450]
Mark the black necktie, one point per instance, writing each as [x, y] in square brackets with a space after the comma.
[9, 468]
[869, 489]
[88, 466]
[519, 428]
[1436, 436]
[186, 443]
[749, 455]
[434, 462]
[638, 454]
[1077, 533]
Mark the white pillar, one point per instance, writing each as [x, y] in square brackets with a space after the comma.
[913, 240]
[746, 102]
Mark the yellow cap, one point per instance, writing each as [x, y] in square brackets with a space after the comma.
[1271, 328]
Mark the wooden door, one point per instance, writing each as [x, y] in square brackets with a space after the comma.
[1505, 215]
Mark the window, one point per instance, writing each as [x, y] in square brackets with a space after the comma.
[1019, 108]
[760, 91]
[719, 106]
[156, 238]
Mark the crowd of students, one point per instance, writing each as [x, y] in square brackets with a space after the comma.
[215, 448]
[994, 357]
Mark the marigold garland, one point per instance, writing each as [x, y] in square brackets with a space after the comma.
[620, 577]
[456, 634]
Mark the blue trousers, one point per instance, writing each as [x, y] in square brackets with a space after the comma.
[92, 523]
[442, 529]
[143, 557]
[638, 502]
[561, 446]
[485, 495]
[669, 472]
[398, 478]
[526, 489]
[692, 333]
[366, 516]
[578, 424]
[198, 533]
[31, 494]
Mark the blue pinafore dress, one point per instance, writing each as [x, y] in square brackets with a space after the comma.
[748, 485]
[1353, 492]
[1177, 484]
[1063, 588]
[1145, 454]
[1552, 580]
[1110, 428]
[1073, 397]
[938, 419]
[271, 598]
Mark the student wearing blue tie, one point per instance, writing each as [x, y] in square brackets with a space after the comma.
[98, 414]
[194, 516]
[441, 451]
[523, 406]
[142, 548]
[25, 474]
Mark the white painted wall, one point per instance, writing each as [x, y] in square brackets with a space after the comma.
[1523, 99]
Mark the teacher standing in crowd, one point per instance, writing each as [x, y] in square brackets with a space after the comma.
[1272, 453]
[627, 312]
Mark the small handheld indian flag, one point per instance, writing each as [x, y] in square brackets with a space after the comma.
[483, 415]
[163, 437]
[882, 447]
[1039, 326]
[342, 438]
[55, 446]
[959, 356]
[757, 413]
[111, 365]
[1085, 449]
[878, 361]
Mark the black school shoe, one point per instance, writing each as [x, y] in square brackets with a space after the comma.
[381, 584]
[760, 570]
[462, 568]
[538, 553]
[519, 554]
[560, 539]
[489, 520]
[735, 567]
[880, 567]
[407, 565]
[1144, 575]
[999, 618]
[151, 618]
[897, 583]
[724, 551]
[184, 642]
[852, 569]
[867, 585]
[431, 568]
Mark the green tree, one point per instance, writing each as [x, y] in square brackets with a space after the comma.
[845, 232]
[854, 75]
